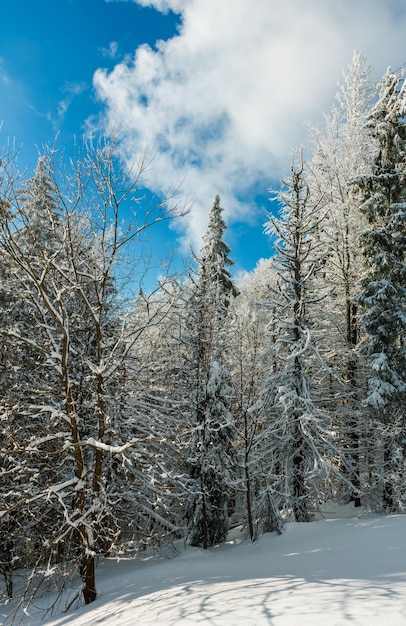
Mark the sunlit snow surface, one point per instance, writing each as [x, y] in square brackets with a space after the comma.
[349, 570]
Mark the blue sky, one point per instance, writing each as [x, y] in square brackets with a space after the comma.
[49, 51]
[220, 89]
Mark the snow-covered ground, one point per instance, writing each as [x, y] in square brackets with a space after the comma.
[348, 570]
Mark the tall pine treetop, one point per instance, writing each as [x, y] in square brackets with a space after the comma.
[214, 254]
[39, 198]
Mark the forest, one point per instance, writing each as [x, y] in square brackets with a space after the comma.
[130, 418]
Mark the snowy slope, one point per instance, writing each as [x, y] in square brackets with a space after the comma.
[331, 572]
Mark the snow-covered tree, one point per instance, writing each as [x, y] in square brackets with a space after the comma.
[211, 454]
[382, 199]
[251, 330]
[155, 389]
[214, 258]
[300, 453]
[71, 428]
[342, 150]
[25, 235]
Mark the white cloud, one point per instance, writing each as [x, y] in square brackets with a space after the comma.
[225, 100]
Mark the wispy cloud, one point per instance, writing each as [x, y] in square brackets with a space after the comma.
[177, 6]
[4, 75]
[74, 89]
[70, 91]
[112, 51]
[225, 100]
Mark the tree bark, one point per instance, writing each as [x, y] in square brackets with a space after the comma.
[87, 573]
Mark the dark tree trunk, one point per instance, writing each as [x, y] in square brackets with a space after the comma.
[6, 566]
[353, 446]
[205, 522]
[388, 496]
[87, 573]
[248, 495]
[299, 490]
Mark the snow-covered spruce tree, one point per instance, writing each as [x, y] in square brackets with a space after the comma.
[78, 435]
[382, 197]
[300, 452]
[211, 461]
[25, 375]
[342, 149]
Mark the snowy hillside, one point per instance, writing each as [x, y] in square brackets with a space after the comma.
[331, 572]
